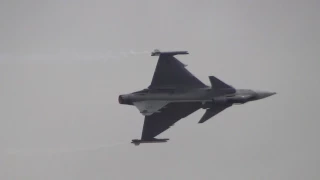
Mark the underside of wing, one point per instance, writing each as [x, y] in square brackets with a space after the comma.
[147, 108]
[160, 122]
[212, 112]
[171, 73]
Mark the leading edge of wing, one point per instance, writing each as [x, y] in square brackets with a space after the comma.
[157, 123]
[171, 73]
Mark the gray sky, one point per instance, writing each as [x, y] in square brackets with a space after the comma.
[64, 63]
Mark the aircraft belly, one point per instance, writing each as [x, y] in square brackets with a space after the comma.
[172, 97]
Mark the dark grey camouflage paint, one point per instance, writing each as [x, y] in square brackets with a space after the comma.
[175, 93]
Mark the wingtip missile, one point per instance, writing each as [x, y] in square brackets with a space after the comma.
[139, 141]
[157, 52]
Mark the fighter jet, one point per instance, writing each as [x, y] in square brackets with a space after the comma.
[175, 93]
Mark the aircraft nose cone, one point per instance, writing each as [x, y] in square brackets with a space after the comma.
[264, 94]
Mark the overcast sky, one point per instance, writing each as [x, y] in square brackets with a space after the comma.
[64, 63]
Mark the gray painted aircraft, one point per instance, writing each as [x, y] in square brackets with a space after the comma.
[175, 93]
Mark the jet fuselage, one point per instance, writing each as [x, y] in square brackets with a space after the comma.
[203, 95]
[174, 93]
